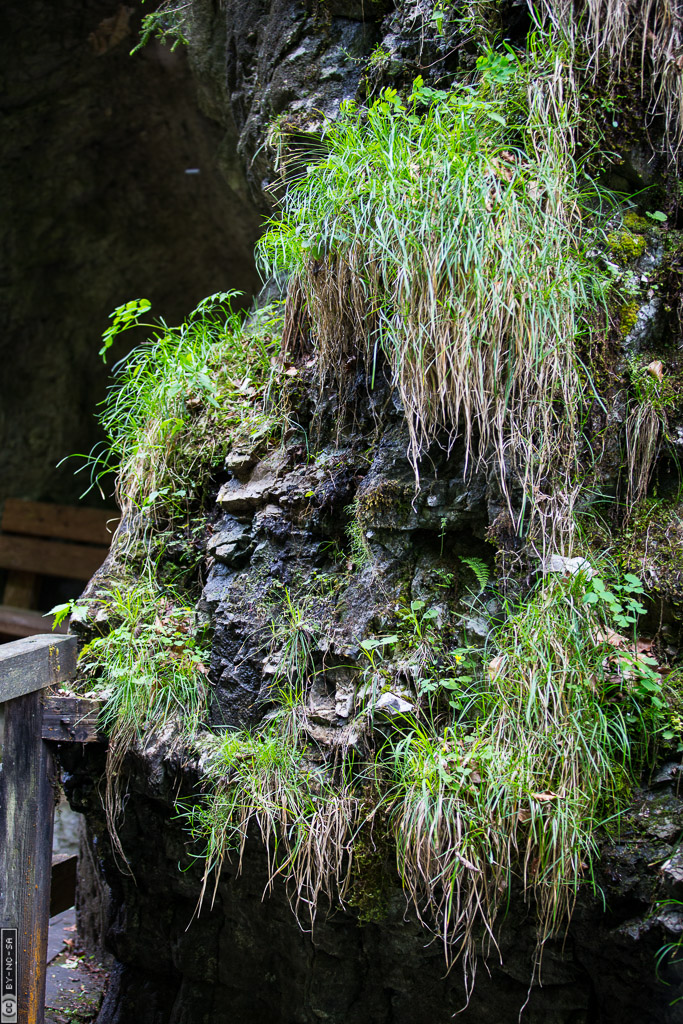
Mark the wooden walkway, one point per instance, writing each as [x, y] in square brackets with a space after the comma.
[31, 723]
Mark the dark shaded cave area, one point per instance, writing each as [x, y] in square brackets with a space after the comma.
[111, 190]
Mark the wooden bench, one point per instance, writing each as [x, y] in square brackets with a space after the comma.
[39, 539]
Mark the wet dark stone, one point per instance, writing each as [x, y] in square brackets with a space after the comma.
[247, 959]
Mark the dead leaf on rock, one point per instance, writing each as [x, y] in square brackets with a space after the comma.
[610, 636]
[495, 666]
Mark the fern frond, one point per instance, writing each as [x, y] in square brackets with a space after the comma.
[480, 569]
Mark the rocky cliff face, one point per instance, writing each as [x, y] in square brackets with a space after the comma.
[332, 518]
[280, 522]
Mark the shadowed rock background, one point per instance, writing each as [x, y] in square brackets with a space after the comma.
[97, 208]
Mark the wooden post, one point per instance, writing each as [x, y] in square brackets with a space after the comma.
[27, 806]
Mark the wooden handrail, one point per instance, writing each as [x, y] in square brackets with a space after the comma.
[27, 802]
[35, 663]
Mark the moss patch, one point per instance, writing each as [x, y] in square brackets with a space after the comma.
[635, 223]
[388, 505]
[651, 545]
[372, 852]
[628, 316]
[626, 246]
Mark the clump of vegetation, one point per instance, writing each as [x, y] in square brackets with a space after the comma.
[629, 35]
[359, 549]
[650, 544]
[628, 317]
[180, 400]
[149, 669]
[177, 404]
[637, 224]
[389, 503]
[654, 395]
[500, 778]
[293, 634]
[378, 59]
[626, 246]
[168, 24]
[305, 816]
[449, 235]
[537, 755]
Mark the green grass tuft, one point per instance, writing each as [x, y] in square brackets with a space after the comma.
[450, 235]
[150, 669]
[180, 400]
[305, 817]
[538, 755]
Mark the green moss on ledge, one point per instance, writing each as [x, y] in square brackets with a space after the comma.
[626, 246]
[635, 223]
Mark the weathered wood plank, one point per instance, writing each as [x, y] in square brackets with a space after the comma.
[39, 519]
[63, 883]
[20, 622]
[50, 557]
[26, 823]
[72, 720]
[34, 663]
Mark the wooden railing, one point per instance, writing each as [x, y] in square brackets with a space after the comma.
[31, 719]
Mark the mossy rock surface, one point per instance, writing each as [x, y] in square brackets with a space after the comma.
[626, 246]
